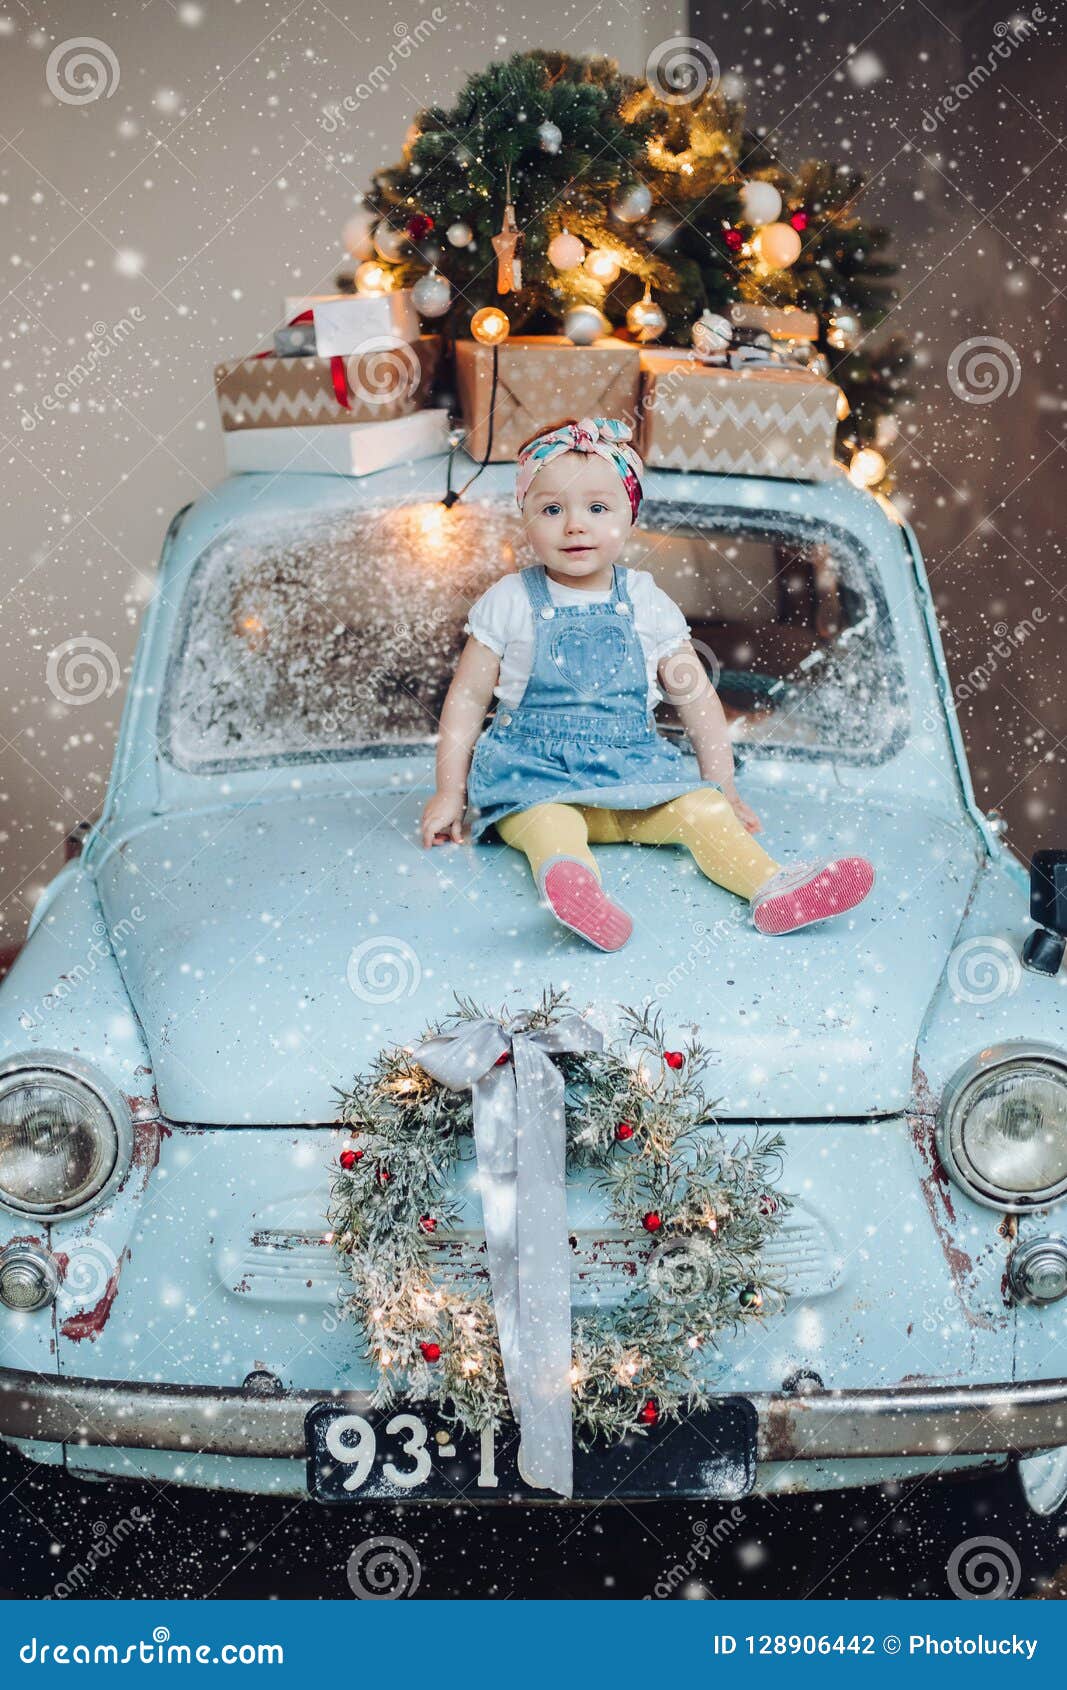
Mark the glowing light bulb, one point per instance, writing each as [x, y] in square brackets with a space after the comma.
[372, 278]
[602, 266]
[490, 325]
[867, 467]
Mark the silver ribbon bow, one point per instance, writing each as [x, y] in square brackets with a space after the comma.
[521, 1143]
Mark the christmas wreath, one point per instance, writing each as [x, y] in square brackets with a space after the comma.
[699, 1212]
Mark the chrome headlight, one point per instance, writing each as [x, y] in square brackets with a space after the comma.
[1003, 1127]
[60, 1139]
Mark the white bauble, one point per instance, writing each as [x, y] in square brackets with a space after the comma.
[662, 230]
[712, 334]
[357, 234]
[459, 234]
[389, 242]
[550, 136]
[565, 251]
[584, 323]
[760, 203]
[432, 294]
[632, 203]
[778, 245]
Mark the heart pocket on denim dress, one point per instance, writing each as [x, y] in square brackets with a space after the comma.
[589, 658]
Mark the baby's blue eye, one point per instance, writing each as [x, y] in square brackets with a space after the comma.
[549, 510]
[598, 507]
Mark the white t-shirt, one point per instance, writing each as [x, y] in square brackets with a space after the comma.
[502, 619]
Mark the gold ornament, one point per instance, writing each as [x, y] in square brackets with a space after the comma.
[645, 320]
[507, 246]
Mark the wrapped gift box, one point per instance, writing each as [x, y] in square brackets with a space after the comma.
[344, 322]
[781, 322]
[268, 392]
[761, 420]
[359, 450]
[541, 379]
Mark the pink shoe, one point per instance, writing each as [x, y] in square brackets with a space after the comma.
[808, 892]
[575, 897]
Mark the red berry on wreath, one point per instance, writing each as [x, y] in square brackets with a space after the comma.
[649, 1415]
[768, 1205]
[504, 1057]
[430, 1352]
[624, 1131]
[349, 1158]
[734, 239]
[674, 1059]
[419, 226]
[799, 221]
[652, 1222]
[384, 1176]
[428, 1223]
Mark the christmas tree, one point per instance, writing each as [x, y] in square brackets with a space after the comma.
[556, 182]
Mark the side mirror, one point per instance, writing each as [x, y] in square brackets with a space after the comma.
[1043, 950]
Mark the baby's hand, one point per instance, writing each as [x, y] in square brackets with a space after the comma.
[748, 818]
[442, 819]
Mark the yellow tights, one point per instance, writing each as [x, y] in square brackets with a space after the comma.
[701, 820]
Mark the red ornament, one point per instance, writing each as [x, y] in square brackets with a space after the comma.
[504, 1057]
[652, 1222]
[624, 1131]
[430, 1352]
[799, 221]
[349, 1158]
[384, 1176]
[419, 226]
[734, 239]
[428, 1223]
[649, 1415]
[674, 1059]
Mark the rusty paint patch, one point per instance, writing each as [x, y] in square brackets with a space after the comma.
[938, 1195]
[89, 1323]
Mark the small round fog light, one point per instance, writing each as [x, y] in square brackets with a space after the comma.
[1037, 1271]
[29, 1278]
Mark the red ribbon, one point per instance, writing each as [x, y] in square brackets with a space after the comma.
[338, 367]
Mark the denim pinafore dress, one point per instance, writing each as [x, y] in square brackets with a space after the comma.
[582, 732]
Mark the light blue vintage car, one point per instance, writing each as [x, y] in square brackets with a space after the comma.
[252, 918]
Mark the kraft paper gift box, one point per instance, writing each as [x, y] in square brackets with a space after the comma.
[542, 378]
[344, 322]
[377, 386]
[781, 322]
[761, 420]
[359, 450]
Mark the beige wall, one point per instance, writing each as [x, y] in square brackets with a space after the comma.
[147, 233]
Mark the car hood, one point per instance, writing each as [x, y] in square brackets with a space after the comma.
[277, 947]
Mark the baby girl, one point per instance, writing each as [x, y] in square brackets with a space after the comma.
[573, 647]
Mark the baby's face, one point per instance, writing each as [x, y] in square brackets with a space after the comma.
[577, 515]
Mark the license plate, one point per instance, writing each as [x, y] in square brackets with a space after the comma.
[409, 1451]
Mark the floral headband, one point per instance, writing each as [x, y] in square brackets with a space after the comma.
[606, 436]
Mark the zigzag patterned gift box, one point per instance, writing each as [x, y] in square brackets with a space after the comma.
[388, 378]
[763, 420]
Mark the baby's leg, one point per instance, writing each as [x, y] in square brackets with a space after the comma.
[555, 841]
[705, 824]
[548, 830]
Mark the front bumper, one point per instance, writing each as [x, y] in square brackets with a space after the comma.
[921, 1420]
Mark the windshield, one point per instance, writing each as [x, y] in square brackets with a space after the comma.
[337, 635]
